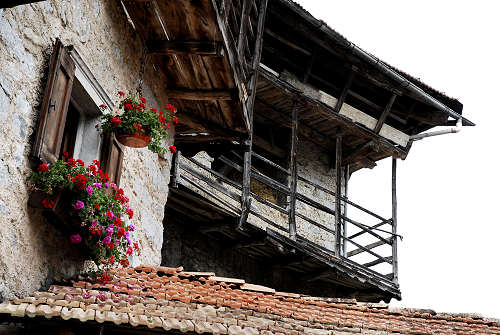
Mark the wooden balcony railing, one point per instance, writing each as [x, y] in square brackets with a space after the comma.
[370, 244]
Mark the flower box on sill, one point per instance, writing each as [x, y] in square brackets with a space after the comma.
[81, 202]
[55, 208]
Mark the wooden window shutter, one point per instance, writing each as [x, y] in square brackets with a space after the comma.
[112, 158]
[55, 105]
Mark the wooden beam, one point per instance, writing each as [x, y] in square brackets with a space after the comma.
[351, 156]
[176, 170]
[263, 144]
[378, 261]
[338, 190]
[384, 114]
[189, 94]
[394, 223]
[166, 47]
[244, 23]
[292, 229]
[196, 122]
[310, 64]
[345, 90]
[369, 247]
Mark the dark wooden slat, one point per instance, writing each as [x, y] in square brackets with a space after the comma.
[247, 171]
[372, 227]
[215, 173]
[338, 190]
[394, 223]
[314, 204]
[176, 171]
[265, 160]
[210, 182]
[384, 114]
[345, 90]
[292, 228]
[367, 229]
[268, 203]
[188, 94]
[258, 176]
[166, 47]
[369, 246]
[378, 261]
[212, 194]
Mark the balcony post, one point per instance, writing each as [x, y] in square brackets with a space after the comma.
[338, 190]
[176, 171]
[344, 222]
[247, 170]
[394, 223]
[292, 228]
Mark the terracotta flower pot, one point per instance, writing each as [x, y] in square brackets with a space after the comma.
[134, 140]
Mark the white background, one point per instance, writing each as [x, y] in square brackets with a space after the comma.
[448, 187]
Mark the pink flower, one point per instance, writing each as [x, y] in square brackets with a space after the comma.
[78, 205]
[89, 190]
[75, 239]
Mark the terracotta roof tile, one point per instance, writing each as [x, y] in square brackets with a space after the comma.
[168, 298]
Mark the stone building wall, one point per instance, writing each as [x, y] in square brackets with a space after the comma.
[33, 253]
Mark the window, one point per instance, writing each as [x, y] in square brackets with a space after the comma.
[70, 112]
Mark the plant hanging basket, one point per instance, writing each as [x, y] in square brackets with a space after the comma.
[134, 140]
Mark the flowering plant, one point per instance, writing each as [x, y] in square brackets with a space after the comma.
[97, 206]
[138, 119]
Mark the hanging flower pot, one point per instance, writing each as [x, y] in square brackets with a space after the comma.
[134, 140]
[138, 126]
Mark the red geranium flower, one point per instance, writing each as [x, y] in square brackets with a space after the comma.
[71, 162]
[103, 106]
[171, 108]
[47, 203]
[115, 120]
[172, 149]
[130, 213]
[121, 93]
[175, 119]
[43, 168]
[80, 162]
[143, 100]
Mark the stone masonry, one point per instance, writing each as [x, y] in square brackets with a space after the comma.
[34, 254]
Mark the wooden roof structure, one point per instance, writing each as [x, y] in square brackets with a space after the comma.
[218, 60]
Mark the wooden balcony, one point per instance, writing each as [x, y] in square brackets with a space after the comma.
[311, 240]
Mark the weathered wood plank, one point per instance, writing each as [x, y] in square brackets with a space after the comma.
[338, 190]
[394, 222]
[198, 94]
[369, 247]
[378, 261]
[345, 91]
[166, 47]
[384, 114]
[176, 171]
[292, 229]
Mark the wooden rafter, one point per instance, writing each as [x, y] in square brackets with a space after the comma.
[195, 94]
[384, 114]
[166, 47]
